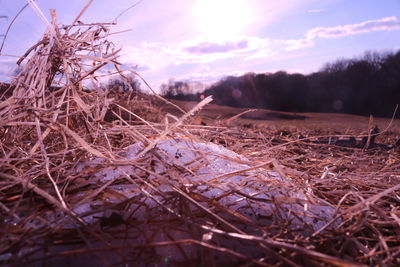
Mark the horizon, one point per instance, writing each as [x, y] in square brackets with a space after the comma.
[206, 40]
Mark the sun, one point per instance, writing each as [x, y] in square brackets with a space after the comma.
[221, 19]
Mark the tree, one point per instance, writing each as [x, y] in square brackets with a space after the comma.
[128, 84]
[366, 85]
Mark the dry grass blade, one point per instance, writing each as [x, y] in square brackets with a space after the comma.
[81, 142]
[367, 202]
[199, 106]
[42, 193]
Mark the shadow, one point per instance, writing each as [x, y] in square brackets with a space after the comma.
[267, 115]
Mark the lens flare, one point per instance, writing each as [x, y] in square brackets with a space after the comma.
[222, 19]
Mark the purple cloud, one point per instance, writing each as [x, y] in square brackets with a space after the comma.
[384, 24]
[211, 48]
[315, 10]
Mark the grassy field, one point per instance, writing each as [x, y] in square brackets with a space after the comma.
[326, 122]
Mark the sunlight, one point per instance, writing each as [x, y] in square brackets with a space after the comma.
[222, 19]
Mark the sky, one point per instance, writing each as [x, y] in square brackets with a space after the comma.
[205, 40]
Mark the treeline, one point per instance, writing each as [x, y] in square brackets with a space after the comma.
[367, 85]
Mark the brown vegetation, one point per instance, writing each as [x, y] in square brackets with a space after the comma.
[45, 134]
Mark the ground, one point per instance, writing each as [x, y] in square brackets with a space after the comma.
[361, 182]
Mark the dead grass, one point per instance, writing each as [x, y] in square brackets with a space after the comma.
[363, 184]
[46, 133]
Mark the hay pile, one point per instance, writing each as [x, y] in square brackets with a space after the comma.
[78, 189]
[363, 183]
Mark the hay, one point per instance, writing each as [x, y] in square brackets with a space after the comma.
[80, 187]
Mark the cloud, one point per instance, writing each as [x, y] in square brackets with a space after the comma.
[260, 54]
[315, 10]
[154, 55]
[244, 47]
[298, 44]
[209, 47]
[384, 24]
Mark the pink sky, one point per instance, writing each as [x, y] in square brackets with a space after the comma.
[204, 40]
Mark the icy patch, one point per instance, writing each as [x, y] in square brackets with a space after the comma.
[215, 173]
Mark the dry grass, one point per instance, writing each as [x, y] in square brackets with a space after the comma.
[363, 184]
[46, 133]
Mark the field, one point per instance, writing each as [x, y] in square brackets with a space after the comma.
[328, 123]
[263, 134]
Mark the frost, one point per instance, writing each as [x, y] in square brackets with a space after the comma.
[215, 173]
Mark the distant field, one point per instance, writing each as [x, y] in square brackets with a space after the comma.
[326, 122]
